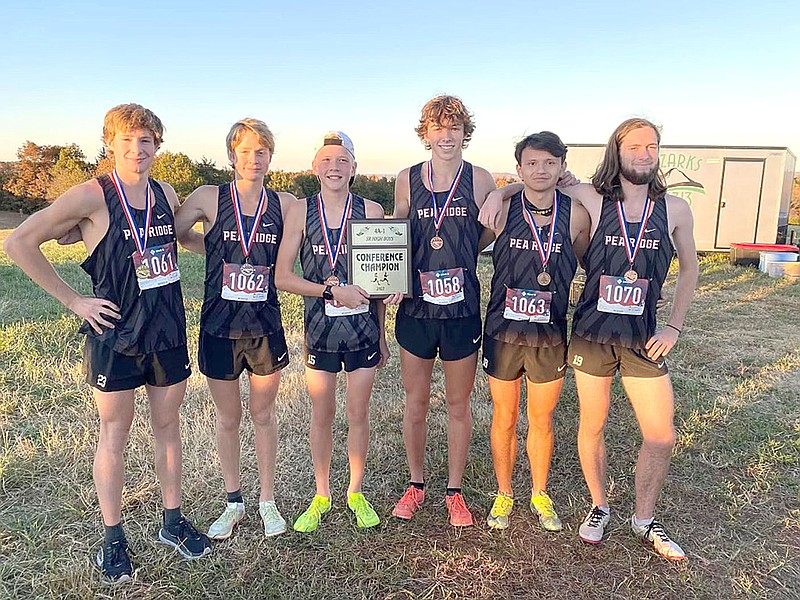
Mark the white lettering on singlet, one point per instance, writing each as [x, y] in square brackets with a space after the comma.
[319, 249]
[155, 231]
[452, 211]
[645, 244]
[260, 238]
[523, 244]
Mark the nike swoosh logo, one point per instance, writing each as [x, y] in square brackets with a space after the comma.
[161, 216]
[457, 198]
[371, 356]
[268, 224]
[661, 364]
[475, 341]
[281, 357]
[649, 230]
[562, 367]
[187, 365]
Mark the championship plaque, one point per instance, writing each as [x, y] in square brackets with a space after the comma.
[379, 256]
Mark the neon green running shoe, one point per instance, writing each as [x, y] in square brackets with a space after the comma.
[543, 506]
[365, 514]
[501, 509]
[309, 520]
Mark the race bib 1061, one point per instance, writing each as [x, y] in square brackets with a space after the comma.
[442, 287]
[527, 305]
[158, 266]
[620, 297]
[245, 283]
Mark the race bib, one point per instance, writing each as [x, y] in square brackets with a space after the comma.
[527, 305]
[157, 267]
[245, 283]
[334, 309]
[620, 297]
[442, 287]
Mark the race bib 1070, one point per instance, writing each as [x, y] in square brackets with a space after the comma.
[620, 297]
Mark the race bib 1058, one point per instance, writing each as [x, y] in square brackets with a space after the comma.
[442, 287]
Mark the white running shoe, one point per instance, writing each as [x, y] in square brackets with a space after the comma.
[594, 525]
[654, 535]
[222, 528]
[274, 523]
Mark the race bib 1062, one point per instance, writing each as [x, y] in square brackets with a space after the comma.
[245, 283]
[442, 287]
[527, 305]
[620, 297]
[158, 266]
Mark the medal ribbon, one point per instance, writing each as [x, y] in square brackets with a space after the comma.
[543, 255]
[438, 216]
[237, 209]
[646, 212]
[141, 240]
[348, 209]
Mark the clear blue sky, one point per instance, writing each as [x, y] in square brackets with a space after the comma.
[713, 73]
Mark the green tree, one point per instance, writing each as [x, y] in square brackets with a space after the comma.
[210, 174]
[31, 176]
[179, 171]
[379, 189]
[70, 169]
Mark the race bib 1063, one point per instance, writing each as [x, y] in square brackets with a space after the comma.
[158, 266]
[527, 305]
[245, 283]
[442, 287]
[620, 297]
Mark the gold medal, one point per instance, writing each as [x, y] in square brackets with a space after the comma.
[437, 243]
[143, 271]
[631, 276]
[332, 280]
[247, 270]
[544, 278]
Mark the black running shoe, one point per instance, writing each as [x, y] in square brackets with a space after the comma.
[114, 563]
[185, 539]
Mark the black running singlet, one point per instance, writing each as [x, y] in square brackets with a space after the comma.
[460, 233]
[606, 256]
[153, 319]
[517, 264]
[230, 318]
[347, 333]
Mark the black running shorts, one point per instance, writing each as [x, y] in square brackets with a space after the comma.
[222, 358]
[453, 339]
[110, 371]
[332, 361]
[508, 362]
[603, 360]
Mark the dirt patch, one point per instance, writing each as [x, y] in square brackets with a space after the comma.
[10, 219]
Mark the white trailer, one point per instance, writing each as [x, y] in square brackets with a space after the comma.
[737, 194]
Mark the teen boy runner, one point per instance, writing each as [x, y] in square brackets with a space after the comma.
[134, 321]
[240, 323]
[342, 326]
[441, 197]
[539, 235]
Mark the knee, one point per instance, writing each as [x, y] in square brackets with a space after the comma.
[264, 416]
[322, 416]
[459, 408]
[357, 414]
[164, 423]
[504, 420]
[416, 411]
[541, 423]
[114, 436]
[661, 443]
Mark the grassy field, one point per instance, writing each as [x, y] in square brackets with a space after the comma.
[731, 499]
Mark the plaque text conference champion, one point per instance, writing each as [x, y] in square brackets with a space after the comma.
[379, 256]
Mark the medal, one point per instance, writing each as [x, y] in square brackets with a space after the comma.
[246, 239]
[631, 275]
[333, 255]
[143, 271]
[247, 269]
[139, 238]
[544, 277]
[439, 215]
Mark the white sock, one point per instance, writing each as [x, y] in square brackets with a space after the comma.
[643, 523]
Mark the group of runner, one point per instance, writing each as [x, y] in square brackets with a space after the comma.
[622, 227]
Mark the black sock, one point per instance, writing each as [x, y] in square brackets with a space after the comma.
[113, 533]
[235, 496]
[172, 516]
[419, 486]
[453, 491]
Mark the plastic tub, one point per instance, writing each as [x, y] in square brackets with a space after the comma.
[765, 258]
[742, 253]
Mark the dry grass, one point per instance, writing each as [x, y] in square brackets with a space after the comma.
[731, 499]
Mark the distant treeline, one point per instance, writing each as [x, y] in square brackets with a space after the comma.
[42, 173]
